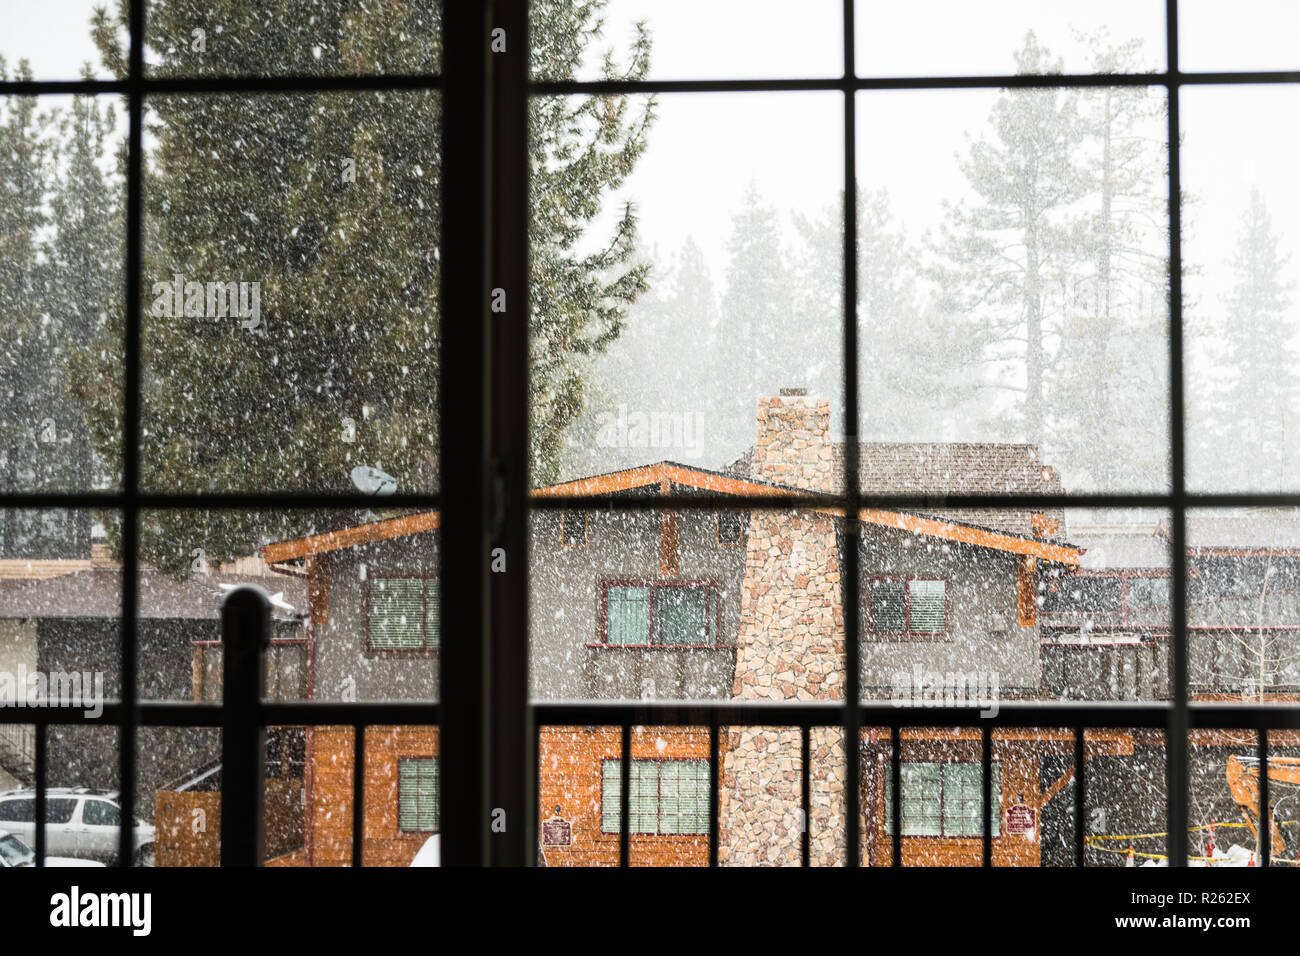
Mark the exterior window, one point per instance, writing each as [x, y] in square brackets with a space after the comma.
[573, 529]
[403, 614]
[662, 615]
[730, 529]
[100, 813]
[668, 796]
[1148, 592]
[917, 607]
[943, 799]
[417, 795]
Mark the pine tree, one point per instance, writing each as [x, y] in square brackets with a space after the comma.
[1254, 407]
[330, 203]
[1110, 387]
[1002, 260]
[29, 428]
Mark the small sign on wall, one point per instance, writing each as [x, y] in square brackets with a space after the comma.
[557, 832]
[1021, 819]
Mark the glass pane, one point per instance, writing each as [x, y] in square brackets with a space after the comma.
[927, 609]
[681, 39]
[1244, 35]
[56, 37]
[1243, 575]
[1012, 300]
[396, 613]
[61, 254]
[290, 339]
[1125, 821]
[682, 615]
[291, 37]
[1242, 312]
[710, 232]
[956, 37]
[888, 608]
[629, 615]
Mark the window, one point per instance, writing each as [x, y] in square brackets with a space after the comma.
[665, 614]
[573, 529]
[403, 614]
[943, 799]
[668, 796]
[59, 810]
[100, 813]
[916, 607]
[731, 528]
[18, 811]
[417, 795]
[1148, 592]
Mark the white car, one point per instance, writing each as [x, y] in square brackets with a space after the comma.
[79, 822]
[14, 853]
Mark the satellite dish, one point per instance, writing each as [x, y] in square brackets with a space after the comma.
[372, 481]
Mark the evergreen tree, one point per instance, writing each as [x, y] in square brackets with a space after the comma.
[30, 456]
[1003, 260]
[1254, 405]
[330, 203]
[1110, 387]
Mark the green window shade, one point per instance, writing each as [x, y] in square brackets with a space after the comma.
[943, 799]
[644, 811]
[926, 611]
[682, 615]
[432, 611]
[888, 613]
[668, 796]
[629, 615]
[417, 794]
[397, 613]
[611, 792]
[684, 796]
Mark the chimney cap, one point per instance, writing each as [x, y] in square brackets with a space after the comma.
[794, 392]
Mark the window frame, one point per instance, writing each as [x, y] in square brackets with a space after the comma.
[713, 620]
[370, 650]
[884, 829]
[907, 634]
[424, 758]
[658, 761]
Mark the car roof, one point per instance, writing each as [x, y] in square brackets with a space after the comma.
[61, 792]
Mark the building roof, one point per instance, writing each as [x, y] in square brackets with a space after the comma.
[668, 477]
[97, 593]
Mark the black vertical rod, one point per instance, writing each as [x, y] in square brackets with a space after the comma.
[714, 809]
[509, 734]
[986, 793]
[129, 515]
[805, 796]
[358, 794]
[1079, 797]
[625, 799]
[245, 636]
[1265, 813]
[462, 426]
[40, 761]
[1178, 781]
[896, 793]
[850, 583]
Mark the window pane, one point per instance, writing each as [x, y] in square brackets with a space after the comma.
[906, 39]
[290, 336]
[999, 352]
[927, 610]
[611, 795]
[61, 254]
[645, 796]
[1242, 316]
[396, 613]
[1243, 35]
[684, 39]
[248, 37]
[682, 615]
[922, 797]
[418, 794]
[54, 36]
[432, 611]
[629, 615]
[888, 607]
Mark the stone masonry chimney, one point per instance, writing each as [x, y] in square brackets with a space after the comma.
[790, 646]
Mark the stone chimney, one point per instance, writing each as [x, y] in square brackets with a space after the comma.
[793, 446]
[790, 646]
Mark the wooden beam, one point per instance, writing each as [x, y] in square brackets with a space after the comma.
[1027, 590]
[350, 537]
